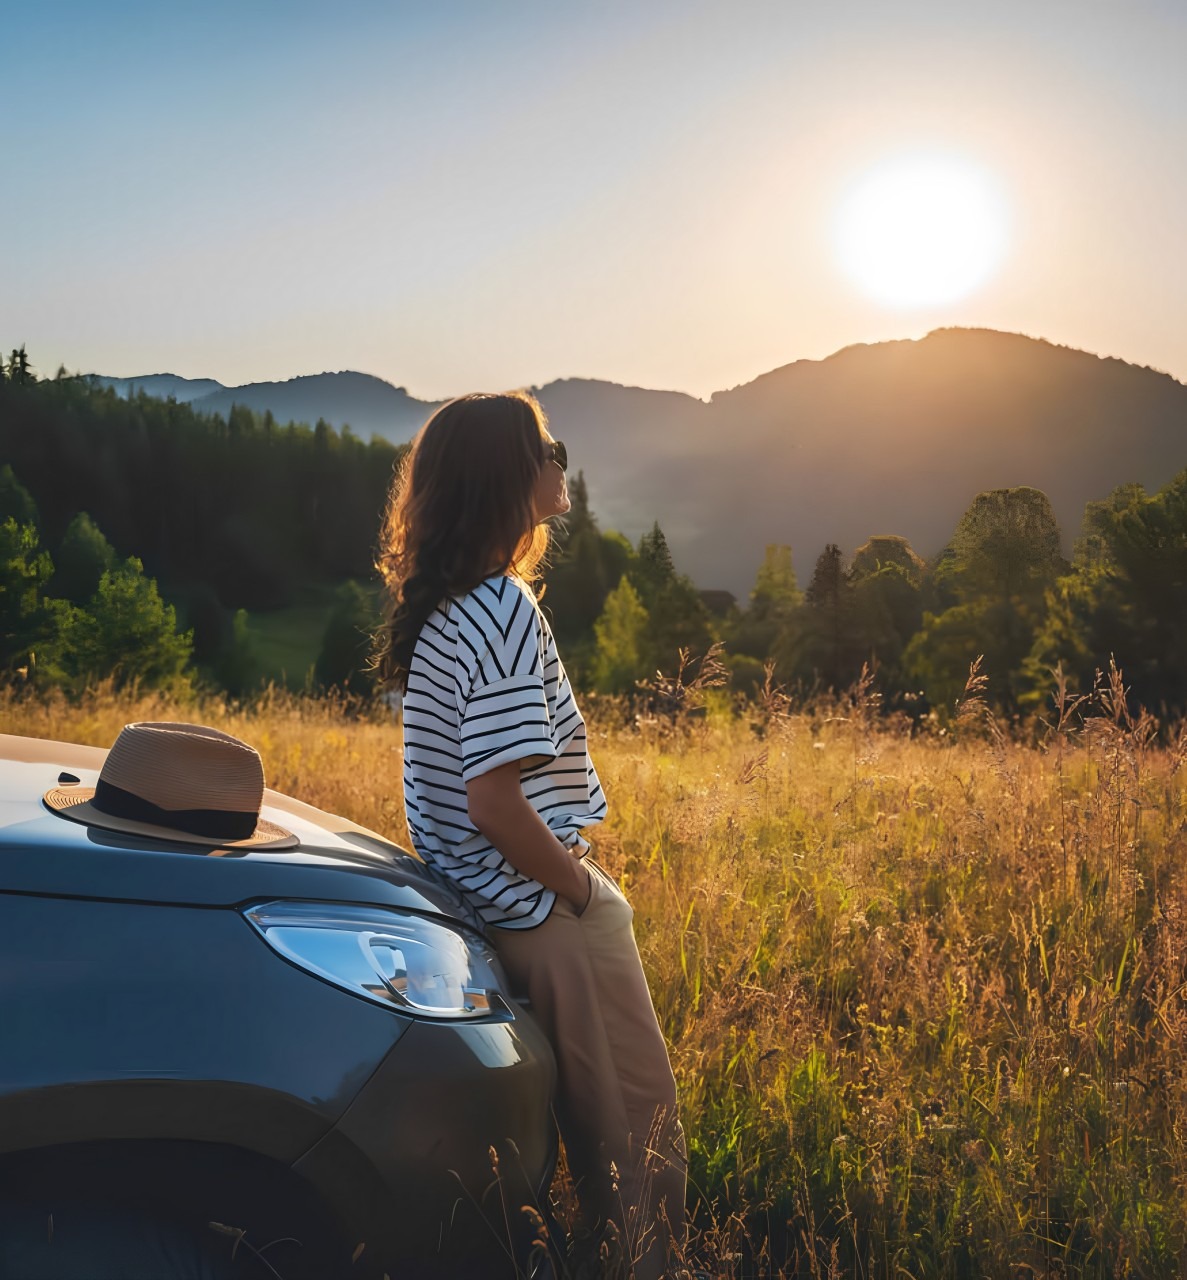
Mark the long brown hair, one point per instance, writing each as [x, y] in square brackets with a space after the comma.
[460, 508]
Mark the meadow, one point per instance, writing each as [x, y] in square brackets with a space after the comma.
[924, 983]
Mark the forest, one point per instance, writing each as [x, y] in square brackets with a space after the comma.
[139, 538]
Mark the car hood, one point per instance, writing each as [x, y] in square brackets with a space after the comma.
[336, 860]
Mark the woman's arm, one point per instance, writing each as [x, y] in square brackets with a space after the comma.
[500, 810]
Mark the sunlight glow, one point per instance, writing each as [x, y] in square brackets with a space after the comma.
[921, 229]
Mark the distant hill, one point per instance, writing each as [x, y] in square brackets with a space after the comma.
[369, 406]
[893, 437]
[161, 385]
[898, 437]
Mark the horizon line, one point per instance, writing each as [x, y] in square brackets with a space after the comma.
[535, 387]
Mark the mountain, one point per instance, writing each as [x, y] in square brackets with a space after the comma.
[368, 405]
[892, 437]
[160, 385]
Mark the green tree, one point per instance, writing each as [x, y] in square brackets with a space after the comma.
[128, 633]
[821, 640]
[16, 502]
[774, 599]
[579, 521]
[577, 586]
[84, 556]
[241, 422]
[888, 598]
[677, 617]
[586, 565]
[19, 371]
[1126, 598]
[886, 551]
[654, 567]
[775, 592]
[26, 624]
[621, 655]
[829, 579]
[1002, 560]
[1005, 548]
[938, 657]
[1093, 547]
[1083, 626]
[182, 490]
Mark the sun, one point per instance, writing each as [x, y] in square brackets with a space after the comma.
[921, 229]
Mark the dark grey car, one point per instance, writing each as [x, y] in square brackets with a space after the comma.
[306, 1058]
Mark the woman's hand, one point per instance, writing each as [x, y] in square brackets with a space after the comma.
[589, 881]
[501, 811]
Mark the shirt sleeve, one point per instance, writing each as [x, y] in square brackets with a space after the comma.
[504, 707]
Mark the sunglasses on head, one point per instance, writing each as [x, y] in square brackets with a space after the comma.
[555, 451]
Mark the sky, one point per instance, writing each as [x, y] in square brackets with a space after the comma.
[483, 195]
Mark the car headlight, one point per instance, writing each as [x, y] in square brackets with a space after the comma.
[404, 961]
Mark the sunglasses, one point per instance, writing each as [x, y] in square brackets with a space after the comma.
[555, 451]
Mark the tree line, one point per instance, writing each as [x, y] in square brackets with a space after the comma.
[1001, 590]
[102, 497]
[226, 514]
[242, 504]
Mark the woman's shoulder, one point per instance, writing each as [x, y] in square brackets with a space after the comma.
[497, 586]
[497, 600]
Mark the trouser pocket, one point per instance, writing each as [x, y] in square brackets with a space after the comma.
[608, 907]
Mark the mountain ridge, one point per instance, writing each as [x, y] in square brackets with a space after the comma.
[137, 382]
[888, 437]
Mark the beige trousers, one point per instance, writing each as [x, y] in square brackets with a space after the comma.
[616, 1097]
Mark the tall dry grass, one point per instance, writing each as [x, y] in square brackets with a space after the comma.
[925, 991]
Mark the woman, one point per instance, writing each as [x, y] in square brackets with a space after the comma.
[499, 786]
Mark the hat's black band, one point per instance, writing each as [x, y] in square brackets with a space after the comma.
[218, 824]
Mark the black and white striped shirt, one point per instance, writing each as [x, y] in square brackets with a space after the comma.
[486, 686]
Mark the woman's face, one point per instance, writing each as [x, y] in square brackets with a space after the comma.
[551, 495]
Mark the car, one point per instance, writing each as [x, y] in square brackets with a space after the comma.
[296, 1058]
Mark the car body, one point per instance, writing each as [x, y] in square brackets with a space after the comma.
[169, 1054]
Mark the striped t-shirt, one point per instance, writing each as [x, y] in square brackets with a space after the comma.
[486, 686]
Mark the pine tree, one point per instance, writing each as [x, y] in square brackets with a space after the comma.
[579, 522]
[16, 502]
[84, 555]
[826, 637]
[654, 569]
[677, 615]
[20, 372]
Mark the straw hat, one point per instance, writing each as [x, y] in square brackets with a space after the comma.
[181, 782]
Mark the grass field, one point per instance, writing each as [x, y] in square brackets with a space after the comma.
[285, 642]
[924, 990]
